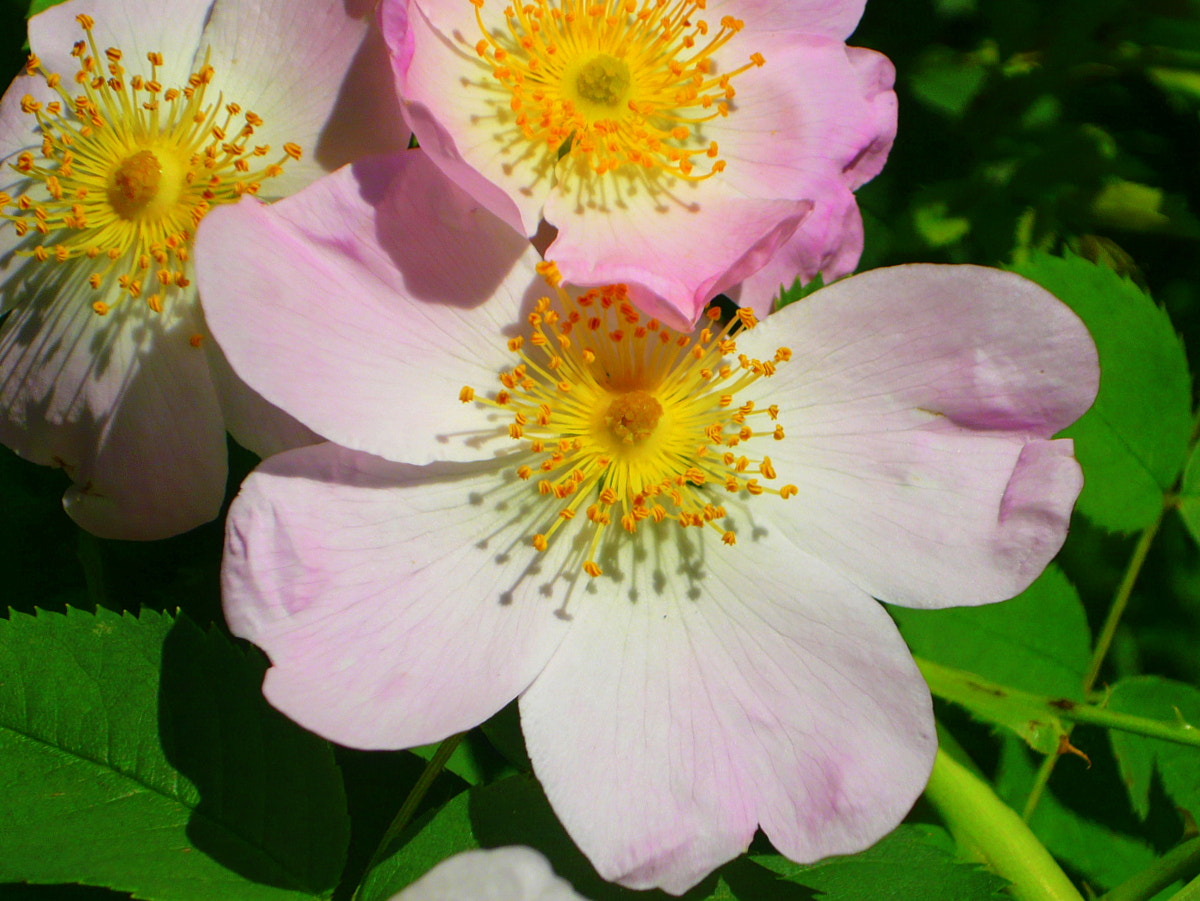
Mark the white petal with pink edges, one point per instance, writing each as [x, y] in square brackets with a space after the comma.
[380, 591]
[367, 300]
[127, 402]
[704, 694]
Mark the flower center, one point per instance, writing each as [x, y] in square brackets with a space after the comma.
[625, 418]
[135, 184]
[127, 169]
[603, 80]
[632, 416]
[613, 83]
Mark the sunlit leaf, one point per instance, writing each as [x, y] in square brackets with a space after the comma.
[1133, 441]
[1037, 642]
[911, 862]
[1178, 765]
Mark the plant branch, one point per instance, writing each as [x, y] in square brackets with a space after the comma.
[984, 825]
[1180, 862]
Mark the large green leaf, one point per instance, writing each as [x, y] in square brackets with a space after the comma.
[137, 753]
[1178, 765]
[911, 862]
[1037, 642]
[1133, 441]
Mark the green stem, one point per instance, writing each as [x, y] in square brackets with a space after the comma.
[1190, 892]
[1121, 600]
[983, 824]
[1007, 706]
[1178, 863]
[1179, 733]
[432, 770]
[1103, 642]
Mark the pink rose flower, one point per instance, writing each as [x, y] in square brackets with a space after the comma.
[133, 119]
[667, 545]
[676, 147]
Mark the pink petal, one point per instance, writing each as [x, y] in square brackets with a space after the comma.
[514, 873]
[815, 113]
[829, 242]
[398, 604]
[315, 72]
[876, 78]
[371, 312]
[435, 63]
[833, 18]
[124, 405]
[256, 425]
[713, 694]
[674, 253]
[915, 408]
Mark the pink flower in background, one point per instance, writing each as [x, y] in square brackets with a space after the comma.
[133, 119]
[666, 545]
[676, 147]
[514, 873]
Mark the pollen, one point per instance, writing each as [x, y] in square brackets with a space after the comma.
[613, 84]
[629, 422]
[126, 169]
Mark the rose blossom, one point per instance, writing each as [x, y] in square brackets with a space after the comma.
[132, 120]
[675, 146]
[665, 544]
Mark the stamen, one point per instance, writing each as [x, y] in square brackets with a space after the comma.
[127, 171]
[613, 83]
[641, 432]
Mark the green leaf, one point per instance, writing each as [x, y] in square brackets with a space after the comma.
[139, 754]
[1189, 494]
[1137, 756]
[1133, 441]
[1037, 642]
[464, 762]
[1105, 857]
[911, 862]
[946, 80]
[798, 291]
[37, 6]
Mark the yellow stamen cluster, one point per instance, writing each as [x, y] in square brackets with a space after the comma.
[615, 83]
[627, 420]
[127, 169]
